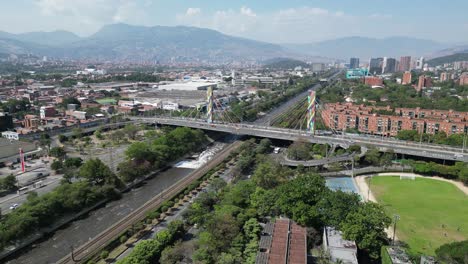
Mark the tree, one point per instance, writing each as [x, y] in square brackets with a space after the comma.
[453, 253]
[44, 141]
[72, 162]
[96, 172]
[98, 134]
[173, 255]
[77, 132]
[373, 156]
[336, 205]
[139, 151]
[298, 198]
[366, 226]
[299, 151]
[131, 170]
[8, 183]
[130, 130]
[117, 136]
[56, 165]
[57, 152]
[264, 146]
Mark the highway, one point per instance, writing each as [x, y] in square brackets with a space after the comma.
[266, 119]
[97, 243]
[398, 146]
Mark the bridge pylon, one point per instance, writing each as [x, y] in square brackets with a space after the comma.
[311, 109]
[209, 105]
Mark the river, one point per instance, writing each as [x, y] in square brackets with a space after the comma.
[78, 232]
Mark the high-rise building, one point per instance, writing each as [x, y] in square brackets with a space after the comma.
[389, 65]
[375, 65]
[445, 76]
[420, 63]
[464, 79]
[460, 65]
[424, 82]
[354, 63]
[406, 78]
[405, 64]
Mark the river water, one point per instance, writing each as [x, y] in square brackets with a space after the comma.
[78, 232]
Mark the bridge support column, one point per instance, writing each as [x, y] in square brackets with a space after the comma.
[209, 105]
[311, 112]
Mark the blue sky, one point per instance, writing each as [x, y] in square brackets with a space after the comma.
[291, 21]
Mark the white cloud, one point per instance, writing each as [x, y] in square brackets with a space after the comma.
[380, 16]
[302, 24]
[87, 16]
[247, 12]
[191, 11]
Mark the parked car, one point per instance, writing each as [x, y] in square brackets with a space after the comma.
[14, 206]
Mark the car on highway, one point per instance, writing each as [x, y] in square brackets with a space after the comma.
[14, 206]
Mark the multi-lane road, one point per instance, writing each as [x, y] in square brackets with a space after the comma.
[398, 146]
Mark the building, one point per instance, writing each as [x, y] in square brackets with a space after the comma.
[282, 242]
[187, 86]
[420, 63]
[6, 121]
[464, 79]
[407, 78]
[389, 65]
[366, 119]
[405, 64]
[398, 255]
[375, 66]
[81, 115]
[373, 81]
[339, 248]
[424, 82]
[10, 135]
[47, 111]
[31, 122]
[356, 73]
[460, 65]
[317, 67]
[445, 76]
[354, 63]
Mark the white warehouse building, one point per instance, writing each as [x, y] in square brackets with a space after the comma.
[187, 86]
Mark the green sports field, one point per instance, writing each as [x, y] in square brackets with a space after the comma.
[106, 101]
[431, 212]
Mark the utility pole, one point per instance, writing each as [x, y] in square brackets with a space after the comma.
[395, 219]
[464, 143]
[420, 137]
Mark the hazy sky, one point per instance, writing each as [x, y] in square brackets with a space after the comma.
[279, 21]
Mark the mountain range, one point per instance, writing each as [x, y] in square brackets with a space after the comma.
[123, 42]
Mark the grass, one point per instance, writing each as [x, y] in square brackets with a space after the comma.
[432, 212]
[106, 101]
[385, 257]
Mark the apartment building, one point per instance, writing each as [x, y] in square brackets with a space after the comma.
[388, 122]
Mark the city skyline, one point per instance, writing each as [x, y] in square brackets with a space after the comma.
[298, 21]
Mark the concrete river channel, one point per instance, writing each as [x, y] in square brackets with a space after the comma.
[78, 232]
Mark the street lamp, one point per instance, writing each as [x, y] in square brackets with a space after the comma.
[395, 219]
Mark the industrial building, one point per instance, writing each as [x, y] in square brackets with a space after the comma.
[187, 86]
[282, 242]
[339, 248]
